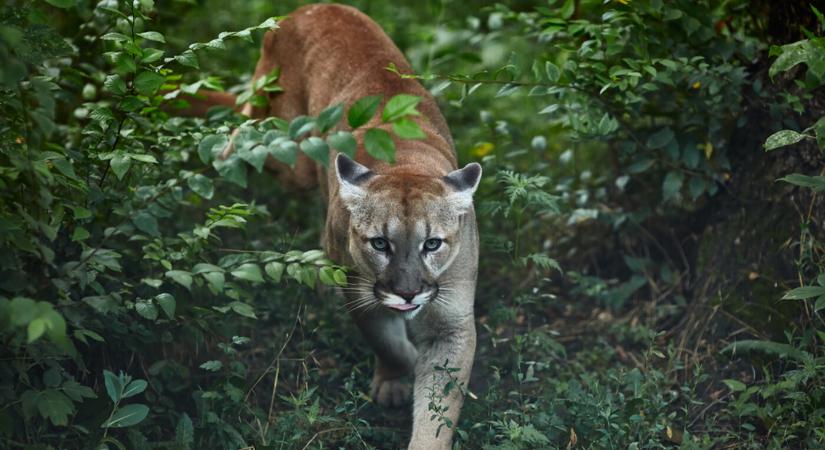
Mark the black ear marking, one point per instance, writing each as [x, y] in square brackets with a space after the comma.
[464, 179]
[350, 171]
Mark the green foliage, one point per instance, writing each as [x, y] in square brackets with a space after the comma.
[109, 240]
[129, 246]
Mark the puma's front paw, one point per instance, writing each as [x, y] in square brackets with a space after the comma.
[393, 393]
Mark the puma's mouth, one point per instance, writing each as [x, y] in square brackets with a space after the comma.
[409, 307]
[402, 307]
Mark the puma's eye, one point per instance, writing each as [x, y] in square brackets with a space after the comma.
[431, 245]
[380, 244]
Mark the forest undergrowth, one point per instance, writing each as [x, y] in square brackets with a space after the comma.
[651, 216]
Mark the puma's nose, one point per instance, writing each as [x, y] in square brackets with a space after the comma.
[407, 295]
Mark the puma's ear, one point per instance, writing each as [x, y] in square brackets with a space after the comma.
[351, 178]
[463, 183]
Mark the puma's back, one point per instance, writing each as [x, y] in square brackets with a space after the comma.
[330, 54]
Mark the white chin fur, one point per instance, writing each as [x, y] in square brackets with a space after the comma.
[409, 315]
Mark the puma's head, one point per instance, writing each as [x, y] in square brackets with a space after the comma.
[405, 232]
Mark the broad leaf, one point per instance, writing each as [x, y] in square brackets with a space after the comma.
[181, 277]
[167, 303]
[782, 138]
[362, 110]
[344, 142]
[127, 416]
[275, 270]
[134, 388]
[330, 117]
[406, 128]
[399, 106]
[201, 185]
[249, 272]
[379, 144]
[317, 149]
[147, 83]
[817, 183]
[114, 387]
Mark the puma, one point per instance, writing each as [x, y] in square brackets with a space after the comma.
[407, 230]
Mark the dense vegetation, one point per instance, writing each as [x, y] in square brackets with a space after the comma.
[653, 255]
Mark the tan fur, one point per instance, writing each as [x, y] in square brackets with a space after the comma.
[330, 54]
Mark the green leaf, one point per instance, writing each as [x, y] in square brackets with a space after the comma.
[206, 267]
[243, 309]
[379, 144]
[151, 55]
[211, 146]
[308, 276]
[142, 157]
[35, 329]
[542, 261]
[120, 164]
[340, 277]
[672, 184]
[115, 84]
[735, 385]
[275, 270]
[310, 256]
[134, 388]
[256, 156]
[820, 304]
[146, 310]
[567, 9]
[326, 275]
[249, 272]
[80, 234]
[127, 416]
[696, 186]
[553, 72]
[55, 406]
[114, 36]
[147, 83]
[640, 166]
[407, 129]
[399, 106]
[181, 277]
[660, 138]
[187, 58]
[791, 55]
[330, 117]
[184, 433]
[201, 185]
[284, 150]
[344, 142]
[216, 280]
[817, 183]
[782, 138]
[167, 304]
[300, 126]
[317, 149]
[147, 223]
[232, 169]
[362, 110]
[113, 385]
[152, 36]
[212, 366]
[804, 292]
[77, 391]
